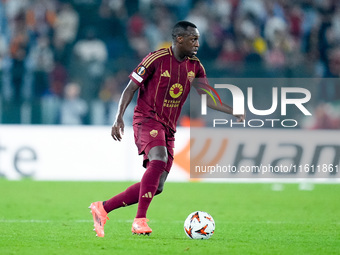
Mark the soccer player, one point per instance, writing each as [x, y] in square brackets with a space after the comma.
[163, 80]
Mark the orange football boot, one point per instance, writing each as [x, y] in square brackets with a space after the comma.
[99, 217]
[140, 226]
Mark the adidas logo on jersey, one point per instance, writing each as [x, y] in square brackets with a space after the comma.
[165, 73]
[147, 195]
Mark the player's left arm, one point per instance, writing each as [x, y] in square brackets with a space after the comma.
[202, 87]
[216, 104]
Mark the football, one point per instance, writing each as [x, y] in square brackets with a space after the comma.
[199, 225]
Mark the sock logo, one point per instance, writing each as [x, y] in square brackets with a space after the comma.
[147, 195]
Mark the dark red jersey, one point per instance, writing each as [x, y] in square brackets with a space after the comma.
[164, 85]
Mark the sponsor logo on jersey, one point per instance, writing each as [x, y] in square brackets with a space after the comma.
[176, 90]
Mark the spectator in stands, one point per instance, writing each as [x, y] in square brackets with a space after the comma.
[65, 31]
[136, 35]
[73, 108]
[3, 53]
[91, 52]
[230, 57]
[41, 17]
[325, 116]
[58, 79]
[42, 61]
[104, 109]
[275, 58]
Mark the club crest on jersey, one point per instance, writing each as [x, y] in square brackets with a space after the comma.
[176, 90]
[191, 76]
[141, 70]
[153, 133]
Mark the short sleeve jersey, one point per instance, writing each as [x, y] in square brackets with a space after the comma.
[164, 84]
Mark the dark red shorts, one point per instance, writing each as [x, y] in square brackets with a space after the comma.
[150, 133]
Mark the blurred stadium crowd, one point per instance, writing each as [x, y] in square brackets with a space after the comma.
[66, 62]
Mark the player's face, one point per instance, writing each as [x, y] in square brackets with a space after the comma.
[190, 43]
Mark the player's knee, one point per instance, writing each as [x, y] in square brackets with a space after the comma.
[161, 157]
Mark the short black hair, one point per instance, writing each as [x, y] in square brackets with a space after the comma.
[180, 28]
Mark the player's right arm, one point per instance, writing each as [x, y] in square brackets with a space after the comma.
[137, 78]
[118, 126]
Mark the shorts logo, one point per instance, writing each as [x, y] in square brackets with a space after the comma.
[141, 70]
[191, 76]
[176, 90]
[154, 133]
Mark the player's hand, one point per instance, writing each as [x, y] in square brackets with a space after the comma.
[240, 118]
[117, 129]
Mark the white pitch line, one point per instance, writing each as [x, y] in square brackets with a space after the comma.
[154, 221]
[40, 221]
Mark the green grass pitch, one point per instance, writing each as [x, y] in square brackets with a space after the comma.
[53, 218]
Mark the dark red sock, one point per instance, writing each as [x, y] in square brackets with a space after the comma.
[128, 197]
[149, 185]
